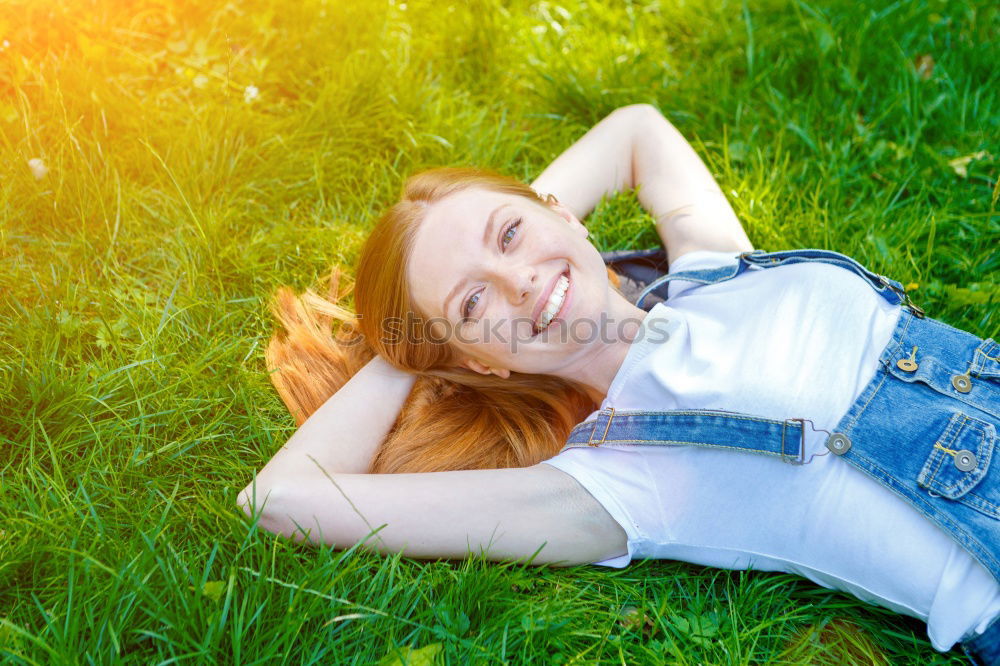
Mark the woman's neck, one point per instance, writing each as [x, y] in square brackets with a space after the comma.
[597, 369]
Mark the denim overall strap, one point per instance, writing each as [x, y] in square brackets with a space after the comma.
[889, 289]
[745, 432]
[712, 428]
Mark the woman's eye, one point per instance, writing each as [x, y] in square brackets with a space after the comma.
[471, 304]
[510, 232]
[507, 239]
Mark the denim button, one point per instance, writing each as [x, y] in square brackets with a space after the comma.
[962, 383]
[909, 364]
[839, 443]
[965, 460]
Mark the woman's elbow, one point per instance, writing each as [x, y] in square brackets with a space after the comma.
[639, 113]
[280, 510]
[257, 501]
[262, 504]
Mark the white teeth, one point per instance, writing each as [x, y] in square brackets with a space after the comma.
[555, 302]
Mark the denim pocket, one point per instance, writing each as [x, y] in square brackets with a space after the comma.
[958, 463]
[970, 374]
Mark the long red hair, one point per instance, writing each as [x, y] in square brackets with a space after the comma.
[454, 418]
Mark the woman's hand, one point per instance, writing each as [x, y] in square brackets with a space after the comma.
[636, 147]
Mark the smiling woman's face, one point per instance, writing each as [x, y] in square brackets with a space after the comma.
[490, 268]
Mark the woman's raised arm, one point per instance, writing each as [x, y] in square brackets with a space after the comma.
[316, 487]
[346, 431]
[508, 514]
[635, 146]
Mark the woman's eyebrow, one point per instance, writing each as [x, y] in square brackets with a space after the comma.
[487, 233]
[490, 221]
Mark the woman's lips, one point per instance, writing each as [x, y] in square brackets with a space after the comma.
[543, 300]
[565, 303]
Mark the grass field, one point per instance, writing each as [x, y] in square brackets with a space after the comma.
[165, 164]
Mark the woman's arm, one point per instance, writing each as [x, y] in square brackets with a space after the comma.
[344, 434]
[635, 146]
[508, 514]
[316, 487]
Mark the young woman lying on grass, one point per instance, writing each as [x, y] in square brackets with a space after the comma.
[496, 392]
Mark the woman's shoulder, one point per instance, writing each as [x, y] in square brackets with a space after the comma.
[698, 259]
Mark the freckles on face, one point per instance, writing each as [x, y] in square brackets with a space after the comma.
[492, 257]
[458, 236]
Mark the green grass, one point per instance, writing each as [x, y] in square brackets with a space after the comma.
[134, 277]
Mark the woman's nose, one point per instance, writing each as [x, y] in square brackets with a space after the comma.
[521, 283]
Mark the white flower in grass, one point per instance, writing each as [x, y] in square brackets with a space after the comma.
[200, 81]
[251, 93]
[38, 168]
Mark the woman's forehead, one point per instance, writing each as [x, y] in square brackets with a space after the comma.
[465, 208]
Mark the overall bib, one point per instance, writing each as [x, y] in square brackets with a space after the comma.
[924, 426]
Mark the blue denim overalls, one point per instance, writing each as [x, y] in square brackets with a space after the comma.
[924, 426]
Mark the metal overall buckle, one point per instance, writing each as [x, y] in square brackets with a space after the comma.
[904, 298]
[801, 460]
[610, 413]
[746, 256]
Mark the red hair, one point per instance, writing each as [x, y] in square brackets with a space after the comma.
[454, 418]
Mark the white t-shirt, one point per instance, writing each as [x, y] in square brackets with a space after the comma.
[795, 341]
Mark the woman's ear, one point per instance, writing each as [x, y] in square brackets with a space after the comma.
[566, 214]
[476, 366]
